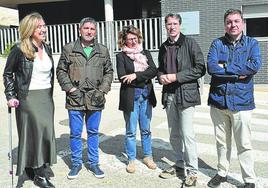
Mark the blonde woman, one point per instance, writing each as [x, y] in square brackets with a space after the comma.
[135, 69]
[28, 79]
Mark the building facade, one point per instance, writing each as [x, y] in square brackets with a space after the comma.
[202, 20]
[211, 24]
[71, 11]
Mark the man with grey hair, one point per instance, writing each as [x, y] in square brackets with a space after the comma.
[232, 61]
[85, 73]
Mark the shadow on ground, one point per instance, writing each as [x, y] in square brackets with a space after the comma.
[163, 157]
[114, 145]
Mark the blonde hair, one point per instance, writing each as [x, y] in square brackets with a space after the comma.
[122, 36]
[26, 29]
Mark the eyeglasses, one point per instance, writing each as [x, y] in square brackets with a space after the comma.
[132, 39]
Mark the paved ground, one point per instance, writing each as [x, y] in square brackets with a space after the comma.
[112, 156]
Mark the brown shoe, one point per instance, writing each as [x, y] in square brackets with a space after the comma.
[131, 167]
[148, 161]
[190, 181]
[171, 172]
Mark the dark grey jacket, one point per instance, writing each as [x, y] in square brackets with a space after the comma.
[92, 76]
[18, 72]
[191, 67]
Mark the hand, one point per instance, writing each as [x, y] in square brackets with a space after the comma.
[221, 65]
[167, 78]
[242, 77]
[171, 77]
[13, 103]
[129, 78]
[164, 80]
[72, 90]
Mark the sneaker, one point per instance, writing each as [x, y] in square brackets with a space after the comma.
[171, 172]
[97, 172]
[74, 172]
[148, 161]
[216, 181]
[190, 180]
[249, 185]
[131, 167]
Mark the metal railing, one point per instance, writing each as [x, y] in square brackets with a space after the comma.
[8, 36]
[107, 34]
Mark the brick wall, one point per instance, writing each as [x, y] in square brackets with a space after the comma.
[211, 24]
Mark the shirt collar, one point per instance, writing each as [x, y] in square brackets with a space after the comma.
[179, 41]
[231, 41]
[175, 40]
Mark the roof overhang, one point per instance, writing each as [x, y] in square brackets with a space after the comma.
[14, 3]
[8, 17]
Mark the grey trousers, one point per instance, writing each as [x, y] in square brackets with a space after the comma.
[237, 123]
[182, 135]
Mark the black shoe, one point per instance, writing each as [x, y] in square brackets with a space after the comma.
[180, 172]
[42, 182]
[249, 185]
[216, 181]
[30, 173]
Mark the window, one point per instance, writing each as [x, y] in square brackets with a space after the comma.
[257, 27]
[256, 19]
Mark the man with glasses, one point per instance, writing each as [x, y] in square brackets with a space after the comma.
[232, 62]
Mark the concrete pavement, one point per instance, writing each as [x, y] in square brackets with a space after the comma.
[112, 155]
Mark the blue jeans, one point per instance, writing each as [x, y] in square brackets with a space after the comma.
[76, 127]
[142, 113]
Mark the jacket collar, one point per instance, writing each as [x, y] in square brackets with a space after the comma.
[45, 46]
[178, 43]
[227, 39]
[35, 47]
[79, 48]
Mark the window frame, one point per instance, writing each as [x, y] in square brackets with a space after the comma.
[255, 15]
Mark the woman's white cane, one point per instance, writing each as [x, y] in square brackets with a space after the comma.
[10, 146]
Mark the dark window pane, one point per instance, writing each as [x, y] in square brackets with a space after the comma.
[257, 27]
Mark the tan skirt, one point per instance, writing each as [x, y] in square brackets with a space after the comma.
[35, 125]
